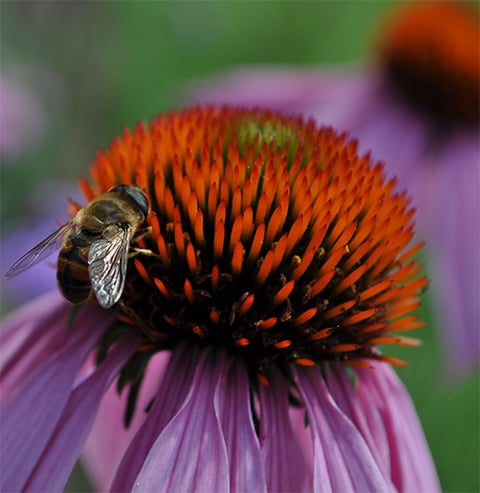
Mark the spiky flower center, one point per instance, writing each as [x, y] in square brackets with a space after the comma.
[269, 237]
[432, 52]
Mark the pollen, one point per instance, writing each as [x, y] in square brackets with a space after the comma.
[269, 237]
[431, 51]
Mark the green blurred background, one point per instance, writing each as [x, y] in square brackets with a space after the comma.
[91, 68]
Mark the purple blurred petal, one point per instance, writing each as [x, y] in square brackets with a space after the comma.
[232, 403]
[22, 120]
[190, 454]
[45, 390]
[72, 429]
[343, 461]
[450, 194]
[276, 87]
[285, 465]
[47, 204]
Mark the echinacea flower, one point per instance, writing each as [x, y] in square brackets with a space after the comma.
[247, 335]
[417, 109]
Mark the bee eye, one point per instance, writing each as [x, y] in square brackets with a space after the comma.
[135, 194]
[142, 202]
[119, 188]
[139, 198]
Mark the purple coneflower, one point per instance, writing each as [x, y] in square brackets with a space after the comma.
[418, 110]
[246, 343]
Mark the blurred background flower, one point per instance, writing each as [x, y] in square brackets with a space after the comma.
[47, 205]
[115, 63]
[22, 118]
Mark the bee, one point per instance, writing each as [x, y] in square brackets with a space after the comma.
[94, 246]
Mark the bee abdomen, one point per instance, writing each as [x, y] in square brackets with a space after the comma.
[72, 273]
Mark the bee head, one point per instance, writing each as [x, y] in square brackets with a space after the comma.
[136, 195]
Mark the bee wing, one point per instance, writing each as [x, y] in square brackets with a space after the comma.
[39, 252]
[107, 266]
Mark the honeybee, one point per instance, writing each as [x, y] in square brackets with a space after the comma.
[94, 246]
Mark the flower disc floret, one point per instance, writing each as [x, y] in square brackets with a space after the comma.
[269, 237]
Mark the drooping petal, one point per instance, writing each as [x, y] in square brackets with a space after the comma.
[46, 391]
[47, 329]
[303, 435]
[109, 439]
[342, 459]
[190, 454]
[27, 326]
[411, 463]
[285, 465]
[364, 414]
[72, 428]
[232, 403]
[169, 397]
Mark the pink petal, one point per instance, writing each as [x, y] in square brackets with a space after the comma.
[411, 462]
[303, 435]
[45, 390]
[28, 322]
[169, 398]
[343, 461]
[28, 338]
[55, 466]
[285, 465]
[41, 306]
[109, 439]
[364, 414]
[232, 403]
[190, 454]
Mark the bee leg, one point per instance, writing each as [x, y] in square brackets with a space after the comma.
[146, 331]
[134, 251]
[139, 235]
[143, 233]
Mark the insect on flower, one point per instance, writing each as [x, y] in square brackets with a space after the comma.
[94, 246]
